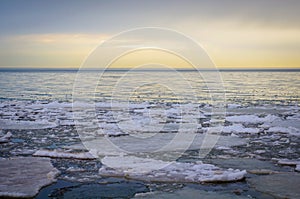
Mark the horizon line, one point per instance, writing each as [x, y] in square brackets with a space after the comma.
[67, 69]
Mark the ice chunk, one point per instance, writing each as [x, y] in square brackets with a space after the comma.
[297, 167]
[233, 106]
[237, 128]
[284, 129]
[250, 119]
[262, 171]
[63, 154]
[289, 126]
[152, 170]
[66, 122]
[5, 138]
[287, 162]
[24, 176]
[289, 130]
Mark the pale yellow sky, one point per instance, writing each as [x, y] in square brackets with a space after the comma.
[142, 57]
[235, 34]
[228, 48]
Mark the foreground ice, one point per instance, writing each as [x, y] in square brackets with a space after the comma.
[152, 170]
[63, 154]
[25, 176]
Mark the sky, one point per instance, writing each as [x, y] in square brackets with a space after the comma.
[234, 33]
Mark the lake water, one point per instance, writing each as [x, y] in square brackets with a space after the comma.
[239, 87]
[69, 117]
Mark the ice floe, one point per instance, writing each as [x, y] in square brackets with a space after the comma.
[287, 162]
[24, 176]
[5, 138]
[297, 168]
[289, 126]
[233, 106]
[63, 154]
[251, 119]
[152, 170]
[280, 129]
[236, 128]
[160, 142]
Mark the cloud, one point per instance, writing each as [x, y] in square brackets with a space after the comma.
[47, 49]
[27, 17]
[67, 31]
[56, 38]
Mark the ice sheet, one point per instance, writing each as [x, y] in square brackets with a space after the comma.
[24, 176]
[63, 154]
[160, 171]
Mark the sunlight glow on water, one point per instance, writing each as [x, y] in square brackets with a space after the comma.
[240, 87]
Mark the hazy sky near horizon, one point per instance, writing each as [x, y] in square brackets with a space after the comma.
[235, 33]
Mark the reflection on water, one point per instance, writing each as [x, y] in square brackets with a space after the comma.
[240, 87]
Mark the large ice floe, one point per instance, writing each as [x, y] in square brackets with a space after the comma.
[24, 176]
[161, 142]
[152, 170]
[64, 154]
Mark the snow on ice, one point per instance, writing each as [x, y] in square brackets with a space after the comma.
[161, 171]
